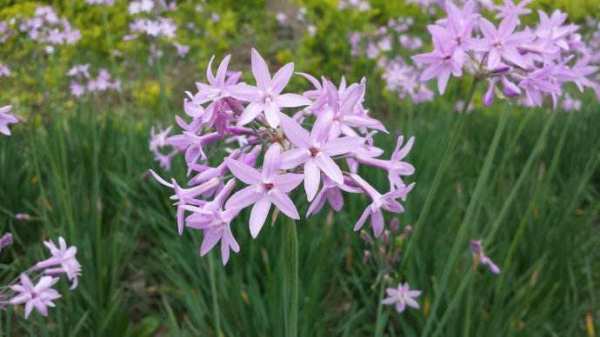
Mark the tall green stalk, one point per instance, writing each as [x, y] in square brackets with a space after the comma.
[290, 279]
[445, 162]
[468, 221]
[213, 291]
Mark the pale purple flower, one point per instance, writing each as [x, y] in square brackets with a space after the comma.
[182, 49]
[22, 216]
[63, 260]
[379, 203]
[4, 70]
[402, 297]
[186, 196]
[6, 118]
[266, 96]
[330, 193]
[39, 296]
[571, 104]
[141, 6]
[214, 221]
[79, 70]
[460, 23]
[219, 85]
[5, 241]
[509, 9]
[345, 112]
[164, 160]
[100, 2]
[315, 151]
[396, 166]
[158, 138]
[552, 28]
[281, 18]
[266, 188]
[502, 44]
[479, 255]
[77, 89]
[443, 61]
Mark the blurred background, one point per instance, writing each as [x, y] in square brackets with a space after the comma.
[89, 84]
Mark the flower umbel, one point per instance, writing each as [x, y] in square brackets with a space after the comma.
[240, 133]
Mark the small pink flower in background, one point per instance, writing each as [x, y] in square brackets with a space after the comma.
[63, 260]
[83, 82]
[141, 6]
[6, 240]
[571, 104]
[22, 216]
[481, 258]
[6, 118]
[182, 50]
[100, 2]
[281, 18]
[4, 70]
[359, 5]
[82, 70]
[47, 28]
[532, 64]
[402, 297]
[76, 89]
[39, 296]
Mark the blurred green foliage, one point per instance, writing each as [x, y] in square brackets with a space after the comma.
[39, 79]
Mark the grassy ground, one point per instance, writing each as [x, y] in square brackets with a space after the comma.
[526, 182]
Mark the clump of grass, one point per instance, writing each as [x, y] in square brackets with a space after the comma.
[532, 198]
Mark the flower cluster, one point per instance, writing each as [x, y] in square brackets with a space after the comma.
[400, 76]
[160, 27]
[82, 82]
[41, 295]
[270, 152]
[6, 118]
[100, 2]
[150, 22]
[528, 64]
[48, 28]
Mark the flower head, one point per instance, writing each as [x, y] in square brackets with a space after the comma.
[39, 296]
[63, 260]
[266, 188]
[266, 96]
[240, 131]
[402, 297]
